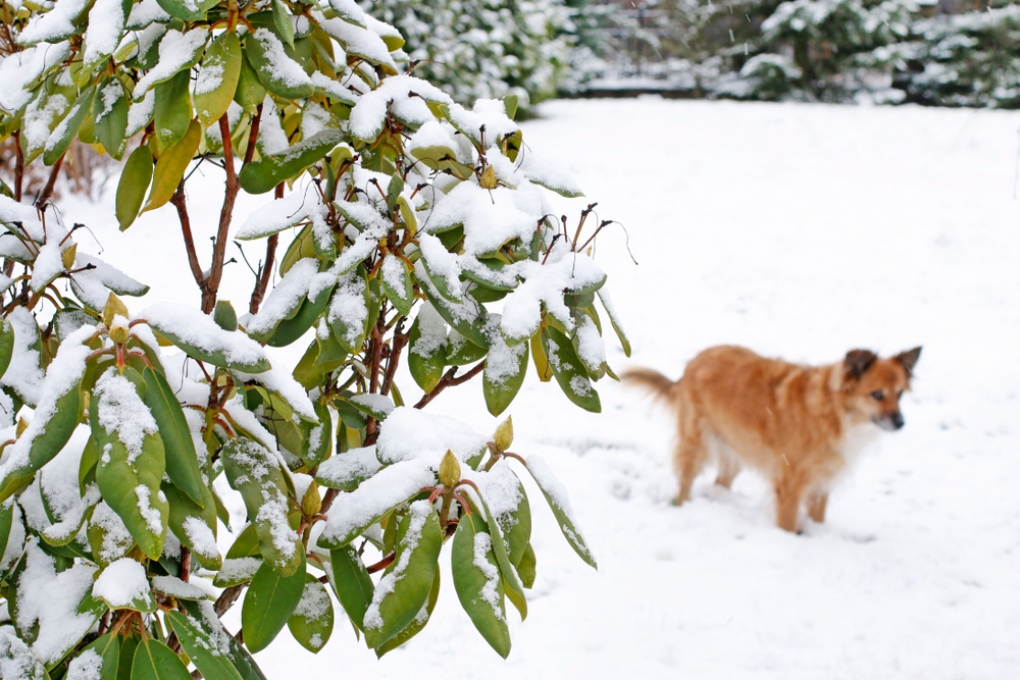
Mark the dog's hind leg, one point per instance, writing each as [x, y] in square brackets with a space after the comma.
[689, 457]
[816, 503]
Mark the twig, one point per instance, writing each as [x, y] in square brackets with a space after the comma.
[448, 380]
[266, 272]
[399, 341]
[48, 189]
[227, 598]
[226, 215]
[181, 204]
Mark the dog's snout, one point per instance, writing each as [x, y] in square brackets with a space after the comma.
[897, 420]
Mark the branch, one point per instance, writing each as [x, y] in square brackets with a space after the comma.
[226, 215]
[399, 341]
[266, 271]
[450, 379]
[227, 598]
[19, 165]
[181, 204]
[48, 189]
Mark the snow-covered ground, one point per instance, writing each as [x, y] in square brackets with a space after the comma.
[800, 231]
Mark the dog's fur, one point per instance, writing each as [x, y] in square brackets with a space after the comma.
[800, 426]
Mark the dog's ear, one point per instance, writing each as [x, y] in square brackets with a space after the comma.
[908, 360]
[858, 361]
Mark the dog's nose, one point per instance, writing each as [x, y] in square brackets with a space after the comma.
[897, 420]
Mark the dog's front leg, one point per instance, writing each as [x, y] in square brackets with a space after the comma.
[816, 505]
[789, 493]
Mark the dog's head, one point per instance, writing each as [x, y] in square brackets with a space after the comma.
[873, 386]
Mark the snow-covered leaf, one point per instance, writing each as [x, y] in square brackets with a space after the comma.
[476, 578]
[312, 621]
[124, 585]
[569, 370]
[263, 175]
[199, 336]
[404, 588]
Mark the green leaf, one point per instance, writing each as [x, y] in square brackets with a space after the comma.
[218, 346]
[503, 375]
[181, 457]
[129, 479]
[112, 106]
[476, 577]
[417, 625]
[613, 319]
[569, 371]
[250, 92]
[526, 567]
[108, 649]
[153, 660]
[189, 522]
[257, 474]
[514, 589]
[133, 185]
[203, 647]
[468, 317]
[269, 59]
[404, 588]
[396, 283]
[556, 496]
[269, 603]
[6, 345]
[172, 113]
[353, 585]
[170, 167]
[48, 440]
[318, 444]
[188, 10]
[225, 316]
[283, 23]
[290, 330]
[425, 360]
[312, 621]
[218, 78]
[263, 175]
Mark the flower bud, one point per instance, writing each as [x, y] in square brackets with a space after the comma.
[449, 470]
[312, 501]
[488, 178]
[114, 306]
[119, 330]
[504, 436]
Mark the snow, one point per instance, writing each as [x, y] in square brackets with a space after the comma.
[390, 486]
[344, 468]
[86, 666]
[106, 24]
[63, 375]
[200, 331]
[123, 412]
[349, 306]
[23, 373]
[53, 25]
[418, 512]
[116, 537]
[357, 40]
[16, 659]
[410, 433]
[489, 592]
[442, 263]
[801, 231]
[176, 51]
[285, 297]
[394, 95]
[282, 66]
[51, 599]
[144, 13]
[377, 403]
[314, 604]
[122, 583]
[200, 536]
[182, 590]
[240, 569]
[19, 71]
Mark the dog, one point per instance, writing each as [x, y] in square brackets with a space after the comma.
[799, 426]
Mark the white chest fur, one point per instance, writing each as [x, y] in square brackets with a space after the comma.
[856, 439]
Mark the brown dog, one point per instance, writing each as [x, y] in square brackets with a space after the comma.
[800, 426]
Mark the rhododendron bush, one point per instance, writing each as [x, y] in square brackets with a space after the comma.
[398, 226]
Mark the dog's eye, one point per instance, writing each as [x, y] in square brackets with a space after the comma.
[878, 395]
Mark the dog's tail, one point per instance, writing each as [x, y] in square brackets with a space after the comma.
[653, 382]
